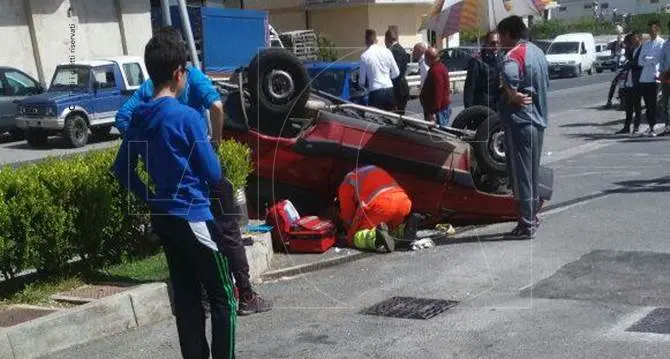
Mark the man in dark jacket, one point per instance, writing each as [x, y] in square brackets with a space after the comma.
[631, 91]
[400, 87]
[482, 83]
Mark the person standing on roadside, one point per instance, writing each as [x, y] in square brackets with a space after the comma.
[200, 94]
[664, 69]
[650, 55]
[631, 90]
[435, 93]
[418, 57]
[401, 57]
[482, 83]
[171, 140]
[524, 114]
[377, 72]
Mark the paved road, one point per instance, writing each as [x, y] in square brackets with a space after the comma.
[600, 263]
[11, 152]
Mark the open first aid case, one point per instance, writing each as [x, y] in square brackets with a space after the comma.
[299, 234]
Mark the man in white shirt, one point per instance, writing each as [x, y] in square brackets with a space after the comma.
[650, 56]
[377, 70]
[418, 56]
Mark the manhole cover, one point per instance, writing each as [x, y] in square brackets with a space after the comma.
[410, 308]
[89, 293]
[657, 321]
[16, 315]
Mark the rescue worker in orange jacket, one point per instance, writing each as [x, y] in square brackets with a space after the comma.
[371, 204]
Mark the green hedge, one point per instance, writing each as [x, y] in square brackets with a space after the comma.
[63, 208]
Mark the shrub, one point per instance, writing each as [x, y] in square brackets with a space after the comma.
[327, 50]
[236, 162]
[62, 208]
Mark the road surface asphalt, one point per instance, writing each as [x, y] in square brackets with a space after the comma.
[600, 263]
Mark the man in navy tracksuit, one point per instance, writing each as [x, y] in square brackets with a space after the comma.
[172, 141]
[524, 113]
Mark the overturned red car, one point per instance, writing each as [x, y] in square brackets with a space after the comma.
[304, 141]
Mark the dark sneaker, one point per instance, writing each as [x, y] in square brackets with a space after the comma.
[521, 232]
[253, 303]
[624, 131]
[384, 239]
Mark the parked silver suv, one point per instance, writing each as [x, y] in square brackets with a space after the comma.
[14, 85]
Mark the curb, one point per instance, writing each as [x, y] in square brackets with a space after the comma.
[314, 266]
[327, 263]
[134, 308]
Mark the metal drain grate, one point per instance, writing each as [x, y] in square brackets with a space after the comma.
[16, 315]
[657, 321]
[410, 308]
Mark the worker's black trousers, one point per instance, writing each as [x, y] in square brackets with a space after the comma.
[195, 261]
[230, 242]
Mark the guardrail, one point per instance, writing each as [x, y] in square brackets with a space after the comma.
[454, 76]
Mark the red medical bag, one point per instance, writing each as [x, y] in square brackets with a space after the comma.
[300, 235]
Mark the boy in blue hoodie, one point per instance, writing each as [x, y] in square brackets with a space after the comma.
[172, 141]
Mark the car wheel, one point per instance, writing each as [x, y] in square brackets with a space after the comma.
[37, 138]
[278, 82]
[471, 117]
[76, 131]
[489, 147]
[600, 71]
[590, 72]
[101, 132]
[17, 135]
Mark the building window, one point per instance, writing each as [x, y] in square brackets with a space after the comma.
[562, 9]
[604, 5]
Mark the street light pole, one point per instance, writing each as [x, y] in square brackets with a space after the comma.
[165, 9]
[186, 24]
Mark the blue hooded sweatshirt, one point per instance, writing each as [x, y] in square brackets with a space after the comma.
[171, 139]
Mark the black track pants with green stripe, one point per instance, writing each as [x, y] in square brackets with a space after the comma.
[194, 260]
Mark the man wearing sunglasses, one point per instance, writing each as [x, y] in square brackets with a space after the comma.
[482, 82]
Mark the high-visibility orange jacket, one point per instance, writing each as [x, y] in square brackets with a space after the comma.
[369, 196]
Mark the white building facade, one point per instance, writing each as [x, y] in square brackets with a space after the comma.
[37, 35]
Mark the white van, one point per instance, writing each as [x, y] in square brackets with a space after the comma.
[572, 54]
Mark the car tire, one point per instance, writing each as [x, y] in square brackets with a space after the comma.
[17, 135]
[590, 72]
[37, 138]
[489, 147]
[278, 83]
[600, 71]
[101, 132]
[471, 117]
[76, 131]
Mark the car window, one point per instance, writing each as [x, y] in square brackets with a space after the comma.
[70, 77]
[104, 76]
[133, 74]
[20, 84]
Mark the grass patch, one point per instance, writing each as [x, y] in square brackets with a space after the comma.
[38, 292]
[150, 269]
